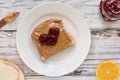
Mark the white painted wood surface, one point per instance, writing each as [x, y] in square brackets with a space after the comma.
[105, 43]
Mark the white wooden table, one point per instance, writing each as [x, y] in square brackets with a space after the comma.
[105, 43]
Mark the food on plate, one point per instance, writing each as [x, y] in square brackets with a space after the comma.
[10, 71]
[51, 38]
[110, 9]
[108, 70]
[9, 18]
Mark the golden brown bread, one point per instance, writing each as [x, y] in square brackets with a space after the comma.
[64, 39]
[10, 71]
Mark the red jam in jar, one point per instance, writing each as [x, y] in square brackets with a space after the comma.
[110, 9]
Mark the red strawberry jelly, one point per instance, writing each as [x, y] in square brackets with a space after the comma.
[110, 9]
[54, 31]
[51, 38]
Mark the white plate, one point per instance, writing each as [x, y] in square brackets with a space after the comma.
[67, 60]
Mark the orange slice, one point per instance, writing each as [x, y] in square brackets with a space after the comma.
[108, 70]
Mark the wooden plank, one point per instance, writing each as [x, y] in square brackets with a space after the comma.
[105, 45]
[88, 8]
[62, 78]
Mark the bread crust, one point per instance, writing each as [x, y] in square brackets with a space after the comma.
[21, 75]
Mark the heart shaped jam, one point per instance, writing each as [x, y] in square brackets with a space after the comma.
[110, 9]
[51, 38]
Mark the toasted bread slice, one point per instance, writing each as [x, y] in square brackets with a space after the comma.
[10, 71]
[64, 39]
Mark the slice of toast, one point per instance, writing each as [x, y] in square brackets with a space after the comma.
[10, 71]
[64, 38]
